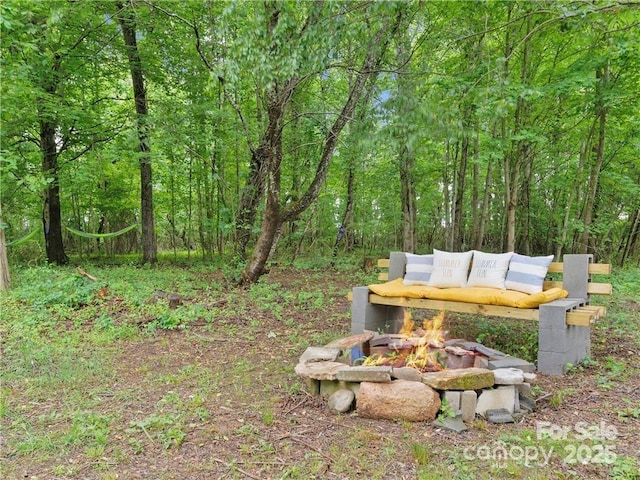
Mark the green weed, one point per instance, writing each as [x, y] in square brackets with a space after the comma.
[166, 428]
[420, 453]
[626, 468]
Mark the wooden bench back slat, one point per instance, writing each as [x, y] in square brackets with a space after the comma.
[594, 268]
[593, 288]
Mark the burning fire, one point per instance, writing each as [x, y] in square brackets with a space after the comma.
[417, 347]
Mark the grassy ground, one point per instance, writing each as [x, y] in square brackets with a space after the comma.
[102, 380]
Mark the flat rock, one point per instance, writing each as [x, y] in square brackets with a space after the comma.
[512, 362]
[406, 373]
[320, 354]
[454, 424]
[320, 370]
[508, 376]
[413, 401]
[459, 379]
[499, 415]
[341, 401]
[351, 341]
[365, 374]
[484, 350]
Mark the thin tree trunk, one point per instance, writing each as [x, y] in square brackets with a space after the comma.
[128, 25]
[408, 200]
[347, 219]
[461, 174]
[484, 209]
[632, 237]
[476, 211]
[594, 174]
[5, 278]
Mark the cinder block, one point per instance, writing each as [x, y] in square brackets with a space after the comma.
[552, 363]
[552, 340]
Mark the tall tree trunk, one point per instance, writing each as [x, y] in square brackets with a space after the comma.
[461, 174]
[51, 214]
[406, 154]
[594, 175]
[127, 21]
[5, 278]
[484, 208]
[408, 200]
[345, 231]
[519, 156]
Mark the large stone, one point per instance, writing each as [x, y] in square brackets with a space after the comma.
[399, 399]
[319, 354]
[508, 376]
[459, 379]
[501, 397]
[365, 374]
[341, 401]
[320, 370]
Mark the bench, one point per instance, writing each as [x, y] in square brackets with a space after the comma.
[564, 325]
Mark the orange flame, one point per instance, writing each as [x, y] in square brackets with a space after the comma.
[427, 345]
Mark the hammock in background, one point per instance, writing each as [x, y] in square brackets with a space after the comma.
[23, 239]
[101, 235]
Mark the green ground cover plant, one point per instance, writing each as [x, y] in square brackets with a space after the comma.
[103, 379]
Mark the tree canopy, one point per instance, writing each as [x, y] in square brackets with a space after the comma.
[285, 127]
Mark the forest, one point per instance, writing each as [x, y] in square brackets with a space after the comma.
[274, 129]
[190, 189]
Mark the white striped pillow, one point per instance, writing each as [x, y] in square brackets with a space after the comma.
[526, 274]
[418, 269]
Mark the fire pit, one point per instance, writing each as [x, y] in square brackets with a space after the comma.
[411, 374]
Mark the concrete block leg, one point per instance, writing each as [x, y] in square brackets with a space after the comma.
[377, 318]
[560, 344]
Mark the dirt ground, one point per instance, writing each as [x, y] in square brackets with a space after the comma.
[238, 411]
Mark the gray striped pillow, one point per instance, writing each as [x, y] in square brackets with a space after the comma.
[526, 274]
[418, 269]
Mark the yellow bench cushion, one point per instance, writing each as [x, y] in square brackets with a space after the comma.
[481, 295]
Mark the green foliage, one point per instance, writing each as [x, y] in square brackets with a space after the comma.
[516, 339]
[626, 468]
[47, 287]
